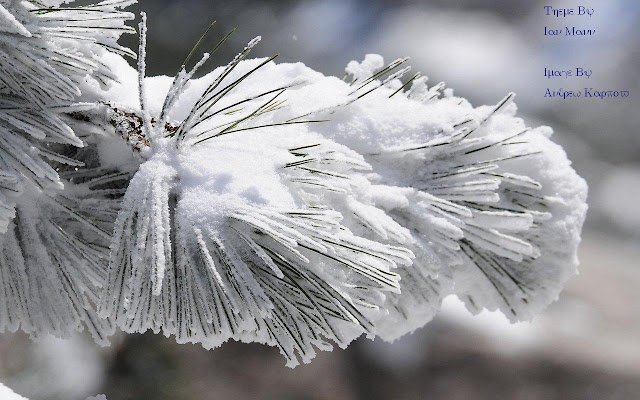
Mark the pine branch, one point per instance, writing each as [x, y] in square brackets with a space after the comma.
[54, 234]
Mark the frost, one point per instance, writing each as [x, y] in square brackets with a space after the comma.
[266, 202]
[243, 224]
[10, 24]
[53, 245]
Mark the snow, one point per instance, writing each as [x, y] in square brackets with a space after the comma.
[48, 269]
[9, 23]
[362, 70]
[8, 394]
[271, 203]
[506, 203]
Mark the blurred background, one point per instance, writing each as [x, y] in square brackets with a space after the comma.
[586, 346]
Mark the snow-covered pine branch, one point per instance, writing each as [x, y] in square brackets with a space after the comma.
[55, 234]
[267, 202]
[277, 205]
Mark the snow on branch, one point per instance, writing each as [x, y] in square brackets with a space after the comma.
[262, 202]
[54, 233]
[277, 205]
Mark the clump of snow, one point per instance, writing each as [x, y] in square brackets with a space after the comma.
[371, 64]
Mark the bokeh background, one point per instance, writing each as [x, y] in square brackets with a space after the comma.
[586, 346]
